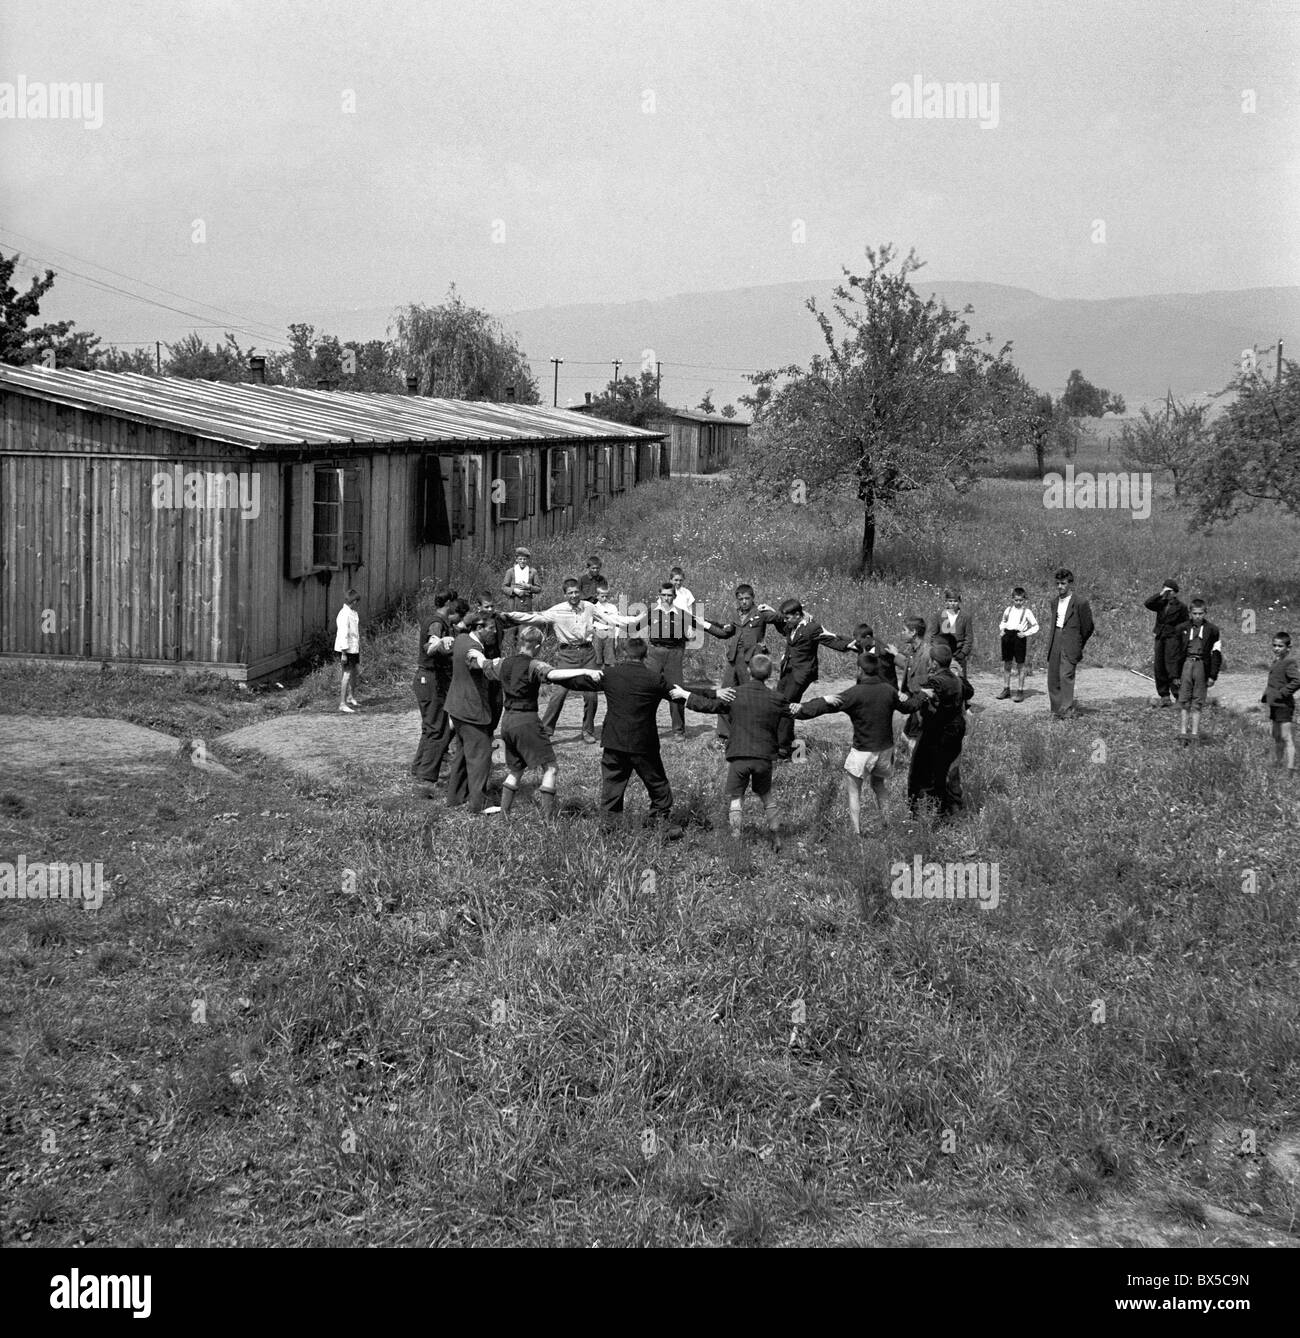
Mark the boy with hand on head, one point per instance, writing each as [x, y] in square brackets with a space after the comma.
[1171, 617]
[1017, 626]
[1199, 660]
[1279, 697]
[347, 644]
[871, 706]
[755, 715]
[522, 676]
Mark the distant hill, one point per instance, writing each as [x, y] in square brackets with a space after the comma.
[1138, 346]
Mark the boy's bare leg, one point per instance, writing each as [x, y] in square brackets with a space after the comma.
[546, 792]
[1196, 723]
[736, 817]
[878, 792]
[509, 787]
[853, 788]
[773, 819]
[1183, 713]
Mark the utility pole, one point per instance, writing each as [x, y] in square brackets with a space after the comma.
[1278, 378]
[555, 397]
[617, 365]
[658, 379]
[157, 353]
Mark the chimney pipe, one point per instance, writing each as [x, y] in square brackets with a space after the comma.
[589, 397]
[510, 394]
[323, 384]
[257, 365]
[412, 385]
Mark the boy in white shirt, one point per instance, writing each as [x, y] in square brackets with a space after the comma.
[1017, 626]
[682, 597]
[347, 643]
[605, 639]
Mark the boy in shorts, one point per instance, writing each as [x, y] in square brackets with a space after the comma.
[1198, 659]
[755, 714]
[347, 644]
[1279, 697]
[870, 705]
[521, 676]
[1017, 626]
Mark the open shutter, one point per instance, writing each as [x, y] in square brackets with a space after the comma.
[352, 514]
[473, 493]
[298, 556]
[602, 468]
[428, 487]
[530, 486]
[568, 477]
[452, 502]
[548, 480]
[629, 464]
[589, 486]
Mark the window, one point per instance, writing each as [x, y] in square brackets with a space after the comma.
[601, 456]
[559, 478]
[515, 482]
[618, 473]
[447, 498]
[325, 518]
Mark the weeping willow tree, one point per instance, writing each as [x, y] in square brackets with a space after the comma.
[460, 352]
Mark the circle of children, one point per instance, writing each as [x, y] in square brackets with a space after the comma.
[470, 680]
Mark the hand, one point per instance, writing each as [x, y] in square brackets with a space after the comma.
[678, 694]
[794, 708]
[927, 693]
[1024, 636]
[596, 675]
[892, 649]
[726, 694]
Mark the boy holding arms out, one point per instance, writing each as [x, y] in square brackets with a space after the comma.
[1279, 697]
[744, 635]
[1199, 659]
[347, 642]
[755, 715]
[1017, 626]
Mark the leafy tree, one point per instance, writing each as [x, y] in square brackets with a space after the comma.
[1252, 453]
[901, 399]
[1115, 404]
[631, 400]
[706, 404]
[1169, 440]
[728, 411]
[192, 357]
[310, 360]
[461, 352]
[20, 345]
[1084, 400]
[764, 384]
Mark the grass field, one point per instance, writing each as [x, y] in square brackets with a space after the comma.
[525, 1033]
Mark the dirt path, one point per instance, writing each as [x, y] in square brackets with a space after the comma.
[49, 744]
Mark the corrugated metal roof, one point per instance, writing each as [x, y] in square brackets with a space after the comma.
[249, 414]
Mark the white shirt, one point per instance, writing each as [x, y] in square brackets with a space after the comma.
[348, 636]
[573, 627]
[1019, 620]
[606, 609]
[684, 600]
[1062, 609]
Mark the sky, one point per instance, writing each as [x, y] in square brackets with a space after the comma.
[299, 154]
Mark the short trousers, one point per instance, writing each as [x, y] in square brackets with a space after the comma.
[752, 772]
[1282, 714]
[1191, 685]
[1013, 647]
[526, 745]
[348, 660]
[860, 763]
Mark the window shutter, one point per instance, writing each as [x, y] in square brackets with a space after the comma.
[352, 516]
[473, 491]
[298, 559]
[567, 457]
[449, 469]
[530, 489]
[629, 458]
[589, 484]
[602, 468]
[548, 480]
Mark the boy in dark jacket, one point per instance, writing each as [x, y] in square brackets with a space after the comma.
[943, 726]
[803, 637]
[1171, 618]
[744, 635]
[431, 685]
[755, 715]
[1199, 659]
[1279, 697]
[871, 706]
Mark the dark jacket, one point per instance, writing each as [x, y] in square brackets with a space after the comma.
[944, 715]
[1171, 615]
[754, 717]
[744, 634]
[587, 585]
[963, 633]
[1210, 646]
[470, 697]
[870, 705]
[633, 692]
[1073, 637]
[1283, 682]
[437, 662]
[801, 645]
[668, 627]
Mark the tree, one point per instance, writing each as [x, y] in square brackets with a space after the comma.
[460, 352]
[20, 345]
[1170, 440]
[311, 360]
[1115, 404]
[193, 358]
[1252, 454]
[764, 384]
[630, 400]
[901, 399]
[1084, 400]
[728, 410]
[142, 361]
[706, 404]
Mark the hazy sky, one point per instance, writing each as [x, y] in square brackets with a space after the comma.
[548, 153]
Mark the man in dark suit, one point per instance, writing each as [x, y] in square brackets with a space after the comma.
[630, 738]
[957, 623]
[1199, 659]
[803, 637]
[1171, 618]
[743, 634]
[943, 727]
[432, 682]
[470, 706]
[1069, 626]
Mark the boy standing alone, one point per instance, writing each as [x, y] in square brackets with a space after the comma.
[1279, 697]
[1200, 657]
[347, 643]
